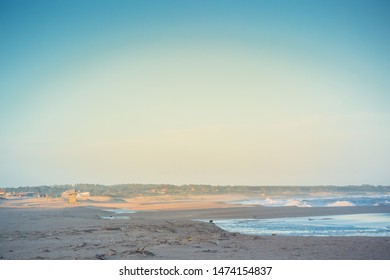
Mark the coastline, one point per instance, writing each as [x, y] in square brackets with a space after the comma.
[42, 230]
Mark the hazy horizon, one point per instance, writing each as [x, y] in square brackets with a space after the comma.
[203, 92]
[186, 185]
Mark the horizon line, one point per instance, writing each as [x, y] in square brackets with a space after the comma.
[209, 185]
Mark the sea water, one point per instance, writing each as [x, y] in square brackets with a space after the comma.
[118, 214]
[328, 200]
[335, 225]
[377, 224]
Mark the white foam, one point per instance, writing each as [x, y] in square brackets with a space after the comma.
[341, 203]
[297, 203]
[270, 201]
[323, 200]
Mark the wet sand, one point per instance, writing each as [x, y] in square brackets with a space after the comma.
[165, 229]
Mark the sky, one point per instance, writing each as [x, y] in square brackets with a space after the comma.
[195, 92]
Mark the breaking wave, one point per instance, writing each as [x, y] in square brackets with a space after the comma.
[320, 201]
[341, 203]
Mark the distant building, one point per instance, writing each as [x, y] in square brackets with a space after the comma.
[70, 196]
[83, 195]
[2, 193]
[29, 194]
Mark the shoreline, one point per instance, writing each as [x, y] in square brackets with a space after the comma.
[196, 207]
[262, 212]
[64, 232]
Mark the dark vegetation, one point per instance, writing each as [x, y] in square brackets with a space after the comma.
[129, 190]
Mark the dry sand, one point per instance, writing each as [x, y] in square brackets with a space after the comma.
[164, 229]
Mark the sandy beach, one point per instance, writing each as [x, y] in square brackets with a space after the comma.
[165, 228]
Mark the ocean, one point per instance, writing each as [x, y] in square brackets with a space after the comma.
[377, 224]
[321, 200]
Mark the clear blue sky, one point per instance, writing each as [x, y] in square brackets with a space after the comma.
[210, 92]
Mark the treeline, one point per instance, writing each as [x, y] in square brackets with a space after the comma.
[128, 190]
